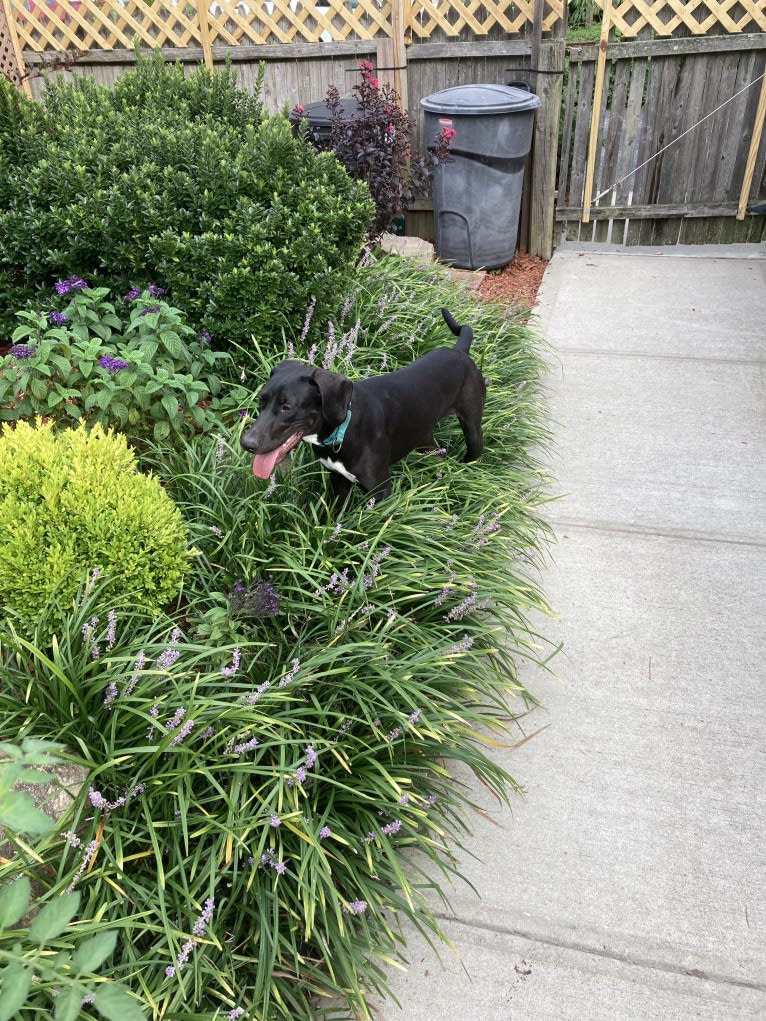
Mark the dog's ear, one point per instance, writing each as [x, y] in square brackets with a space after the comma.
[335, 391]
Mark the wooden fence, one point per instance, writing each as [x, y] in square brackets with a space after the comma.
[662, 138]
[661, 123]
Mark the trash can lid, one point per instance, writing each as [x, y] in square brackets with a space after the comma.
[319, 114]
[480, 99]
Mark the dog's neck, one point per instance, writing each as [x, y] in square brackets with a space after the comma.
[335, 439]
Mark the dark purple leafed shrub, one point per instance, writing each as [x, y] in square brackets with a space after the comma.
[376, 145]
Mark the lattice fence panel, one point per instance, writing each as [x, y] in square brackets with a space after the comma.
[9, 58]
[115, 24]
[664, 17]
[478, 16]
[88, 25]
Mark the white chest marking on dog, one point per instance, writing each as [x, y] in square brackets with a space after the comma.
[313, 438]
[337, 466]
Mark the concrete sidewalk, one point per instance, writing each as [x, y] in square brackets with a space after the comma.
[630, 884]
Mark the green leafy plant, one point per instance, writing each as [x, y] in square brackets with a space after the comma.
[47, 965]
[243, 223]
[269, 793]
[376, 144]
[72, 502]
[133, 365]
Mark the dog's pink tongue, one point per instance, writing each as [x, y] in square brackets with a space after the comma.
[264, 464]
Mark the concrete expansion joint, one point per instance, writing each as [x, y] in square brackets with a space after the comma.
[654, 356]
[559, 524]
[621, 957]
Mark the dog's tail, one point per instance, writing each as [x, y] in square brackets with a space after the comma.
[464, 334]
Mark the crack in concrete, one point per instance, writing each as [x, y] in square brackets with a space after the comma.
[648, 963]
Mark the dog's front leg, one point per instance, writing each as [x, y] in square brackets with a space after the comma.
[341, 487]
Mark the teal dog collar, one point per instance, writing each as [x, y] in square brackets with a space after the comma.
[335, 439]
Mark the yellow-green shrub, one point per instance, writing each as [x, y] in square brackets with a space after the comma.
[72, 502]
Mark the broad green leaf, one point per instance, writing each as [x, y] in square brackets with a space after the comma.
[19, 814]
[39, 389]
[161, 430]
[54, 918]
[15, 980]
[68, 1003]
[116, 1004]
[91, 954]
[170, 404]
[13, 901]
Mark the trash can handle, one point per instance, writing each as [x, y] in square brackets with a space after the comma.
[520, 85]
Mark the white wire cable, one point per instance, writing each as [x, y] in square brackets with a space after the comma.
[683, 133]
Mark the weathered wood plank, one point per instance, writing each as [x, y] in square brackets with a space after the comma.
[653, 211]
[669, 47]
[543, 170]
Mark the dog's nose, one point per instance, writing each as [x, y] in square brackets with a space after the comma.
[248, 441]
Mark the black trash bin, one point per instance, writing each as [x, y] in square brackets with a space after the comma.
[477, 192]
[319, 117]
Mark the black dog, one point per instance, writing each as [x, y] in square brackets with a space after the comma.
[358, 430]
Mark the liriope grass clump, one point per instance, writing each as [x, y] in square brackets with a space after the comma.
[269, 793]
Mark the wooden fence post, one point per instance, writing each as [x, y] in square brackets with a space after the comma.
[542, 204]
[755, 141]
[204, 33]
[18, 74]
[391, 52]
[595, 119]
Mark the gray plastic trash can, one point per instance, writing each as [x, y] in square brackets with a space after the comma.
[477, 193]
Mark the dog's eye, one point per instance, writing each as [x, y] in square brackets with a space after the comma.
[285, 407]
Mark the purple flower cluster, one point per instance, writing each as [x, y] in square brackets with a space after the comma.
[467, 606]
[87, 857]
[356, 907]
[204, 337]
[307, 320]
[168, 656]
[390, 829]
[89, 637]
[138, 666]
[150, 310]
[246, 746]
[22, 351]
[465, 643]
[58, 318]
[258, 600]
[198, 931]
[290, 676]
[269, 859]
[74, 283]
[369, 579]
[183, 733]
[98, 800]
[112, 364]
[337, 584]
[230, 671]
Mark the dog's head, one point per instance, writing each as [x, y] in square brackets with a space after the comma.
[298, 400]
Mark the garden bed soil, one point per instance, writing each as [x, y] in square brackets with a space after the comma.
[519, 281]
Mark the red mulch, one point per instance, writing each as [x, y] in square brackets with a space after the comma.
[518, 281]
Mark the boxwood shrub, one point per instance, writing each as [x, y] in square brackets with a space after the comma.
[183, 181]
[74, 502]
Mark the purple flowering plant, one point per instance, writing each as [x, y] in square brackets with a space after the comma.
[132, 364]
